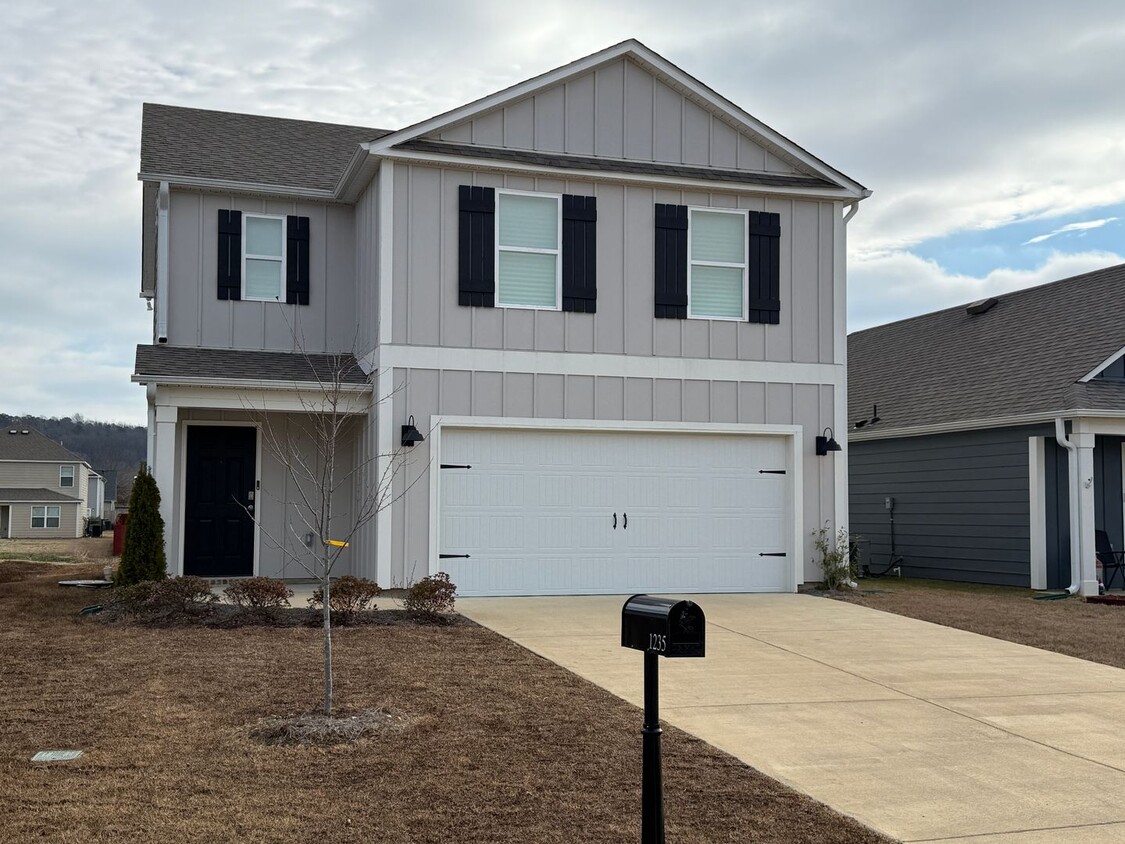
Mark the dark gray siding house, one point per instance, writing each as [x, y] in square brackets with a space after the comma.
[985, 442]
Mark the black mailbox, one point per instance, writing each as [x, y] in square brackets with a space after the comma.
[663, 626]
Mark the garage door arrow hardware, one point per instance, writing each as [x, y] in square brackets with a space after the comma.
[454, 466]
[771, 554]
[453, 556]
[771, 471]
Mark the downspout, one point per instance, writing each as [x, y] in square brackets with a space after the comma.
[1075, 522]
[162, 238]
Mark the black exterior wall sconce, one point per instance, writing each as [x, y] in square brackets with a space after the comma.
[826, 442]
[411, 436]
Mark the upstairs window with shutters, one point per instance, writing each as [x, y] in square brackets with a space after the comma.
[528, 250]
[717, 264]
[263, 257]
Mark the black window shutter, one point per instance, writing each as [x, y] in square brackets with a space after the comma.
[477, 247]
[297, 261]
[671, 261]
[230, 255]
[765, 272]
[579, 254]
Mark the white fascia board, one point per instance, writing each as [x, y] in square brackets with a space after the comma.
[232, 186]
[537, 424]
[584, 363]
[171, 398]
[652, 62]
[1102, 366]
[243, 383]
[616, 176]
[980, 424]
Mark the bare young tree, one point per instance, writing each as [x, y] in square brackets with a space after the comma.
[310, 445]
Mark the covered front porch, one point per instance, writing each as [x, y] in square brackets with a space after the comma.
[241, 464]
[1078, 491]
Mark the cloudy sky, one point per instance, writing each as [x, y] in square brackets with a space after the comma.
[992, 133]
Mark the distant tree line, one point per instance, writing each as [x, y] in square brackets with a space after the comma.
[104, 445]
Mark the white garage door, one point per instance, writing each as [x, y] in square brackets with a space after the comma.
[569, 513]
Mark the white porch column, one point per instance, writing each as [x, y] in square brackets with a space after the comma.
[164, 472]
[1086, 550]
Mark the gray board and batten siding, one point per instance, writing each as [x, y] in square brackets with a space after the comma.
[962, 508]
[198, 317]
[425, 300]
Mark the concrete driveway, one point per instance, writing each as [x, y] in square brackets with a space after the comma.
[921, 731]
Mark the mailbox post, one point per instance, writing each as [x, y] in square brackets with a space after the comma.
[668, 628]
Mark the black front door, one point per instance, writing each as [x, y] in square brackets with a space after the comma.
[218, 532]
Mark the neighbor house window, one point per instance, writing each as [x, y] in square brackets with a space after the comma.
[66, 476]
[528, 244]
[44, 517]
[717, 264]
[263, 257]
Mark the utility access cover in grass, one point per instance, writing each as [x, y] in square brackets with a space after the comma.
[56, 755]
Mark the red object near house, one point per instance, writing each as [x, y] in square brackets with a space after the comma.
[119, 534]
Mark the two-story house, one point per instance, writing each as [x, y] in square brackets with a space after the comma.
[610, 300]
[44, 488]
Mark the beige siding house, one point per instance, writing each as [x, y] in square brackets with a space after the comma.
[611, 302]
[44, 488]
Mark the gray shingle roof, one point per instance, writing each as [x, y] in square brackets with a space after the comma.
[1023, 356]
[11, 494]
[32, 446]
[582, 162]
[250, 148]
[157, 363]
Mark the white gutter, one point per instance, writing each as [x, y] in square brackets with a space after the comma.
[1075, 522]
[162, 237]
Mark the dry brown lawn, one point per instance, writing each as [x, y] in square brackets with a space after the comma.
[499, 745]
[86, 550]
[1090, 631]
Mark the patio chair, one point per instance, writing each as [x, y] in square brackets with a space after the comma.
[1112, 561]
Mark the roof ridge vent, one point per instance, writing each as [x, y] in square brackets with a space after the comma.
[982, 306]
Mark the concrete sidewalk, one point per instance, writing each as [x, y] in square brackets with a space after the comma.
[921, 731]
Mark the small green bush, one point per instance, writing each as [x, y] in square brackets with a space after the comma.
[143, 556]
[837, 557]
[430, 597]
[259, 596]
[347, 596]
[176, 597]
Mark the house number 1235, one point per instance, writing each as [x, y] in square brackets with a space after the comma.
[657, 642]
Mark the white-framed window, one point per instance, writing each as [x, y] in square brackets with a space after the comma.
[528, 250]
[45, 517]
[263, 257]
[717, 264]
[66, 476]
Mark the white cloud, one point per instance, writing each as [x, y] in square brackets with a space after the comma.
[1071, 227]
[897, 285]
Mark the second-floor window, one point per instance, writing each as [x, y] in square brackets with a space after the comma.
[66, 476]
[263, 256]
[717, 264]
[528, 248]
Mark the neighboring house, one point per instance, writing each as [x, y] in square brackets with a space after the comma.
[612, 302]
[109, 493]
[999, 435]
[44, 488]
[96, 496]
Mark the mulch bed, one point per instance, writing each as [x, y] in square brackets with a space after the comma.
[490, 744]
[1093, 631]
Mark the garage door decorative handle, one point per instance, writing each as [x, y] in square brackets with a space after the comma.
[615, 521]
[771, 554]
[454, 466]
[453, 556]
[625, 518]
[771, 471]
